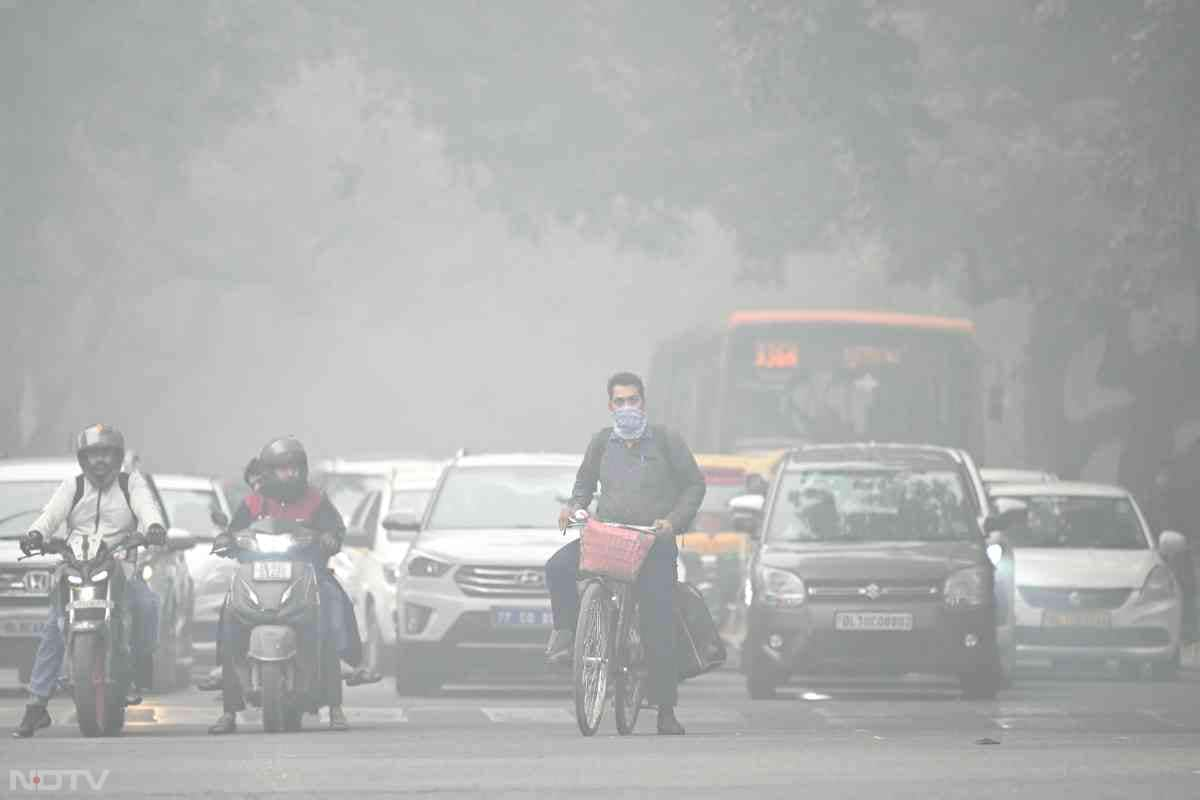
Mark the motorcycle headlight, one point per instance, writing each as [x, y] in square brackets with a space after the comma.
[391, 573]
[251, 595]
[102, 575]
[967, 587]
[75, 580]
[423, 566]
[274, 544]
[778, 587]
[1159, 586]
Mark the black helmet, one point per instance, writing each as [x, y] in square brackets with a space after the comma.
[284, 452]
[99, 437]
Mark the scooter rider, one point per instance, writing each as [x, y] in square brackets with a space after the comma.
[106, 505]
[286, 494]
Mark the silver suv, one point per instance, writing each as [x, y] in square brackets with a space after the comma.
[471, 592]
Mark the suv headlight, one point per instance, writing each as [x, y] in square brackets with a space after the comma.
[778, 587]
[1159, 586]
[423, 566]
[967, 587]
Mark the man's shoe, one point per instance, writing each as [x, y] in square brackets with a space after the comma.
[337, 719]
[560, 647]
[36, 717]
[361, 675]
[226, 723]
[667, 724]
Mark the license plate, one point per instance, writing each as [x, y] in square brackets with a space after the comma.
[21, 627]
[89, 604]
[523, 616]
[1076, 619]
[872, 621]
[272, 570]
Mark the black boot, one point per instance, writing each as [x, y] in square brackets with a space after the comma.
[226, 723]
[36, 717]
[667, 724]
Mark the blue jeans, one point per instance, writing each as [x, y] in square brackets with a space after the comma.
[52, 649]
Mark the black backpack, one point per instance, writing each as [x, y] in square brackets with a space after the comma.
[698, 645]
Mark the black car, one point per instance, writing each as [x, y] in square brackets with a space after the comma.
[874, 559]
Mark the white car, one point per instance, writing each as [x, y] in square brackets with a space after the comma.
[198, 505]
[348, 481]
[994, 477]
[370, 559]
[472, 591]
[1091, 584]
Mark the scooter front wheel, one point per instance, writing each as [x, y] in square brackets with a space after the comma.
[274, 697]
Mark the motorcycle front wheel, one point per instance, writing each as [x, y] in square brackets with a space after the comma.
[99, 706]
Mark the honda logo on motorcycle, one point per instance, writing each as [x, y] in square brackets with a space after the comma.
[531, 578]
[37, 582]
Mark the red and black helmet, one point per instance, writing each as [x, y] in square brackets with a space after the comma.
[285, 451]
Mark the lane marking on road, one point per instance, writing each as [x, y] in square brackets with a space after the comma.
[529, 714]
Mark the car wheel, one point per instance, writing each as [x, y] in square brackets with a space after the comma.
[418, 671]
[761, 682]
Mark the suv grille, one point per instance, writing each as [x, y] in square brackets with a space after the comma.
[1067, 599]
[502, 581]
[873, 590]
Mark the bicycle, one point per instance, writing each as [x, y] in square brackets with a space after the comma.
[608, 647]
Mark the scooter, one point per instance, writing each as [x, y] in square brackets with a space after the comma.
[274, 593]
[98, 659]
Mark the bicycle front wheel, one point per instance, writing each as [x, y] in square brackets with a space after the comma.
[593, 645]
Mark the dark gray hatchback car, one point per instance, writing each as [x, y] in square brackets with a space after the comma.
[873, 559]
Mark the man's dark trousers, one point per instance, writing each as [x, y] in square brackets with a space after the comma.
[655, 591]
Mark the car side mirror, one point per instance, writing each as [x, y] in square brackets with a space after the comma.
[1172, 544]
[746, 512]
[220, 519]
[756, 484]
[401, 521]
[357, 537]
[179, 539]
[1009, 513]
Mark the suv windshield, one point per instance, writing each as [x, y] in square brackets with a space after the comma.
[191, 510]
[870, 504]
[1102, 522]
[20, 504]
[502, 497]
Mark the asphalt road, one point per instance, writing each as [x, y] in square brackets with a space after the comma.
[1084, 737]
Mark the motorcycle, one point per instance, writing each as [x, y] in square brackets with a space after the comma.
[98, 658]
[274, 593]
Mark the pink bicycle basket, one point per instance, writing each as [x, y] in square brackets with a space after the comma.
[613, 552]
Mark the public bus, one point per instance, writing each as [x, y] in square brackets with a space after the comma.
[771, 379]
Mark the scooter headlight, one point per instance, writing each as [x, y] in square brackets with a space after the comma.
[251, 595]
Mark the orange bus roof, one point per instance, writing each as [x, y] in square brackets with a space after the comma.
[888, 318]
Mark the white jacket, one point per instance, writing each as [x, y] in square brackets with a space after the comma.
[99, 515]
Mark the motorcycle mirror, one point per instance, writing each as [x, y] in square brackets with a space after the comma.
[746, 511]
[402, 521]
[220, 519]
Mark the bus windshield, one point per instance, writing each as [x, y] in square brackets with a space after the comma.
[792, 382]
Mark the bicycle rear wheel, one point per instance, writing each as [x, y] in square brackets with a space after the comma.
[629, 671]
[593, 635]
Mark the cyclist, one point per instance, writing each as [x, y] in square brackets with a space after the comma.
[649, 477]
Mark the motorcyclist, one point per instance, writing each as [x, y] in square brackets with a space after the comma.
[286, 494]
[100, 505]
